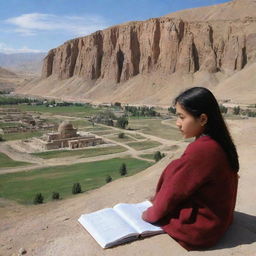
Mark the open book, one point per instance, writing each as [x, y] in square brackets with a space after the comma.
[120, 224]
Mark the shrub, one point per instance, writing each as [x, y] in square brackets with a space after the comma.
[104, 117]
[117, 104]
[121, 135]
[236, 110]
[38, 198]
[109, 122]
[122, 122]
[251, 113]
[76, 188]
[223, 109]
[141, 111]
[123, 169]
[158, 156]
[108, 179]
[55, 195]
[172, 110]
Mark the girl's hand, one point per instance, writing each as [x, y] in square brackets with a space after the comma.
[143, 216]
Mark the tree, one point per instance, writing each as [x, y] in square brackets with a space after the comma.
[236, 110]
[158, 156]
[55, 195]
[109, 122]
[38, 199]
[122, 122]
[251, 113]
[141, 111]
[123, 169]
[172, 110]
[108, 179]
[76, 188]
[104, 117]
[223, 109]
[117, 104]
[121, 135]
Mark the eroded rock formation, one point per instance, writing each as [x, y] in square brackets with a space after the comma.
[165, 45]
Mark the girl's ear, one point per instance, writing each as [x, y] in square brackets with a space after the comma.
[203, 119]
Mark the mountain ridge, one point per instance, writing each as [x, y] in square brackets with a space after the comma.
[23, 62]
[240, 10]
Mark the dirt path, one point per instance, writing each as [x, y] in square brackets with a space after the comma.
[167, 122]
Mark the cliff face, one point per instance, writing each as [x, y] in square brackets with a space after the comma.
[164, 45]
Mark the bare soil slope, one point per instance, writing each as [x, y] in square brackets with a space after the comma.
[241, 9]
[53, 229]
[9, 80]
[6, 73]
[151, 89]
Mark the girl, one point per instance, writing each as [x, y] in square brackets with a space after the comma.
[196, 194]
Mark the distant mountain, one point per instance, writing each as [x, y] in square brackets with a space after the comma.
[27, 63]
[9, 80]
[4, 73]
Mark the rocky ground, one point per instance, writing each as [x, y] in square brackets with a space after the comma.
[53, 229]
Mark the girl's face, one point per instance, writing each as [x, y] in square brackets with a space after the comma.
[188, 124]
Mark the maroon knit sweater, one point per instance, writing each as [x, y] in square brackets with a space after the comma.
[196, 195]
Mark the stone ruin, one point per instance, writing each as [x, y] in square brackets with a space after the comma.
[66, 137]
[19, 121]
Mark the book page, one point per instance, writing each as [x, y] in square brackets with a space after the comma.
[106, 227]
[132, 214]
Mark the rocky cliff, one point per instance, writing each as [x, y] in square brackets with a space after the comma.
[164, 45]
[149, 62]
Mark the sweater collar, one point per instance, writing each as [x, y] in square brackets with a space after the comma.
[202, 135]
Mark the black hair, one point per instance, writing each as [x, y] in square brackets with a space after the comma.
[199, 100]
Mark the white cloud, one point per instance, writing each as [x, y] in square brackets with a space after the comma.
[32, 23]
[9, 50]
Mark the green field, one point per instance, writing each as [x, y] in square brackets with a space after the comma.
[81, 152]
[115, 137]
[78, 111]
[101, 133]
[137, 136]
[13, 124]
[141, 145]
[81, 123]
[156, 128]
[147, 156]
[23, 186]
[6, 161]
[97, 128]
[22, 135]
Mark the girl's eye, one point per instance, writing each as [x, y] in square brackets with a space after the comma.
[180, 117]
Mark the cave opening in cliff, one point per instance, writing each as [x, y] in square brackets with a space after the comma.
[195, 57]
[120, 62]
[244, 57]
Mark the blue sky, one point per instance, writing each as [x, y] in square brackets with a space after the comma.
[39, 25]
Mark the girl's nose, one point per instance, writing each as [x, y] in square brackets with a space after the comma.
[178, 123]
